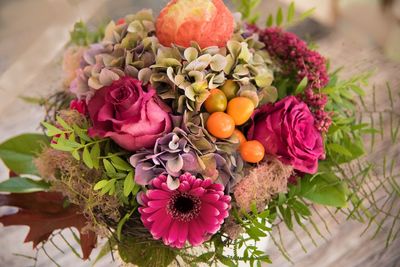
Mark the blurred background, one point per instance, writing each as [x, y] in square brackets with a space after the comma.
[360, 35]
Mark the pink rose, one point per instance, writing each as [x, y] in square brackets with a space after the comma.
[129, 113]
[286, 129]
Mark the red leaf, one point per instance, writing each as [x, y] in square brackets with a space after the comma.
[44, 212]
[12, 174]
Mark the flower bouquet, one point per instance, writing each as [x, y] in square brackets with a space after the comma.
[186, 138]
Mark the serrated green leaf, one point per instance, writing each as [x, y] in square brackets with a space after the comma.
[18, 152]
[23, 185]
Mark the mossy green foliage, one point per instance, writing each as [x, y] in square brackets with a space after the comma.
[145, 253]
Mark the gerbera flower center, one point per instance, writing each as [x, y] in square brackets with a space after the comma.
[184, 207]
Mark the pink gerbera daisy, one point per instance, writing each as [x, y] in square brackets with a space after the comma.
[192, 212]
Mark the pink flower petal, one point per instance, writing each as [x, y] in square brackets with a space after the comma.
[206, 218]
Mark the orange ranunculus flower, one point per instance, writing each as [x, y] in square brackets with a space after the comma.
[207, 22]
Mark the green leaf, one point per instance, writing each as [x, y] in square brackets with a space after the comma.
[63, 147]
[122, 222]
[95, 155]
[205, 257]
[51, 129]
[302, 85]
[301, 208]
[87, 159]
[109, 167]
[107, 248]
[120, 164]
[287, 217]
[255, 233]
[82, 134]
[326, 189]
[99, 185]
[129, 184]
[23, 185]
[145, 254]
[66, 145]
[18, 152]
[226, 261]
[270, 21]
[109, 187]
[291, 12]
[307, 14]
[357, 89]
[279, 17]
[75, 154]
[63, 123]
[339, 149]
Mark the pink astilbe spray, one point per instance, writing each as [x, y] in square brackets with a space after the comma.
[297, 60]
[192, 212]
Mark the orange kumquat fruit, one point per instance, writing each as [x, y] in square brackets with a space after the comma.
[240, 136]
[220, 125]
[216, 101]
[240, 109]
[252, 151]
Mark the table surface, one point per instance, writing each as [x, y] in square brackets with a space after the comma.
[30, 65]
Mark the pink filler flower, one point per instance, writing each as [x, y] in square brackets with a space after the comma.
[191, 213]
